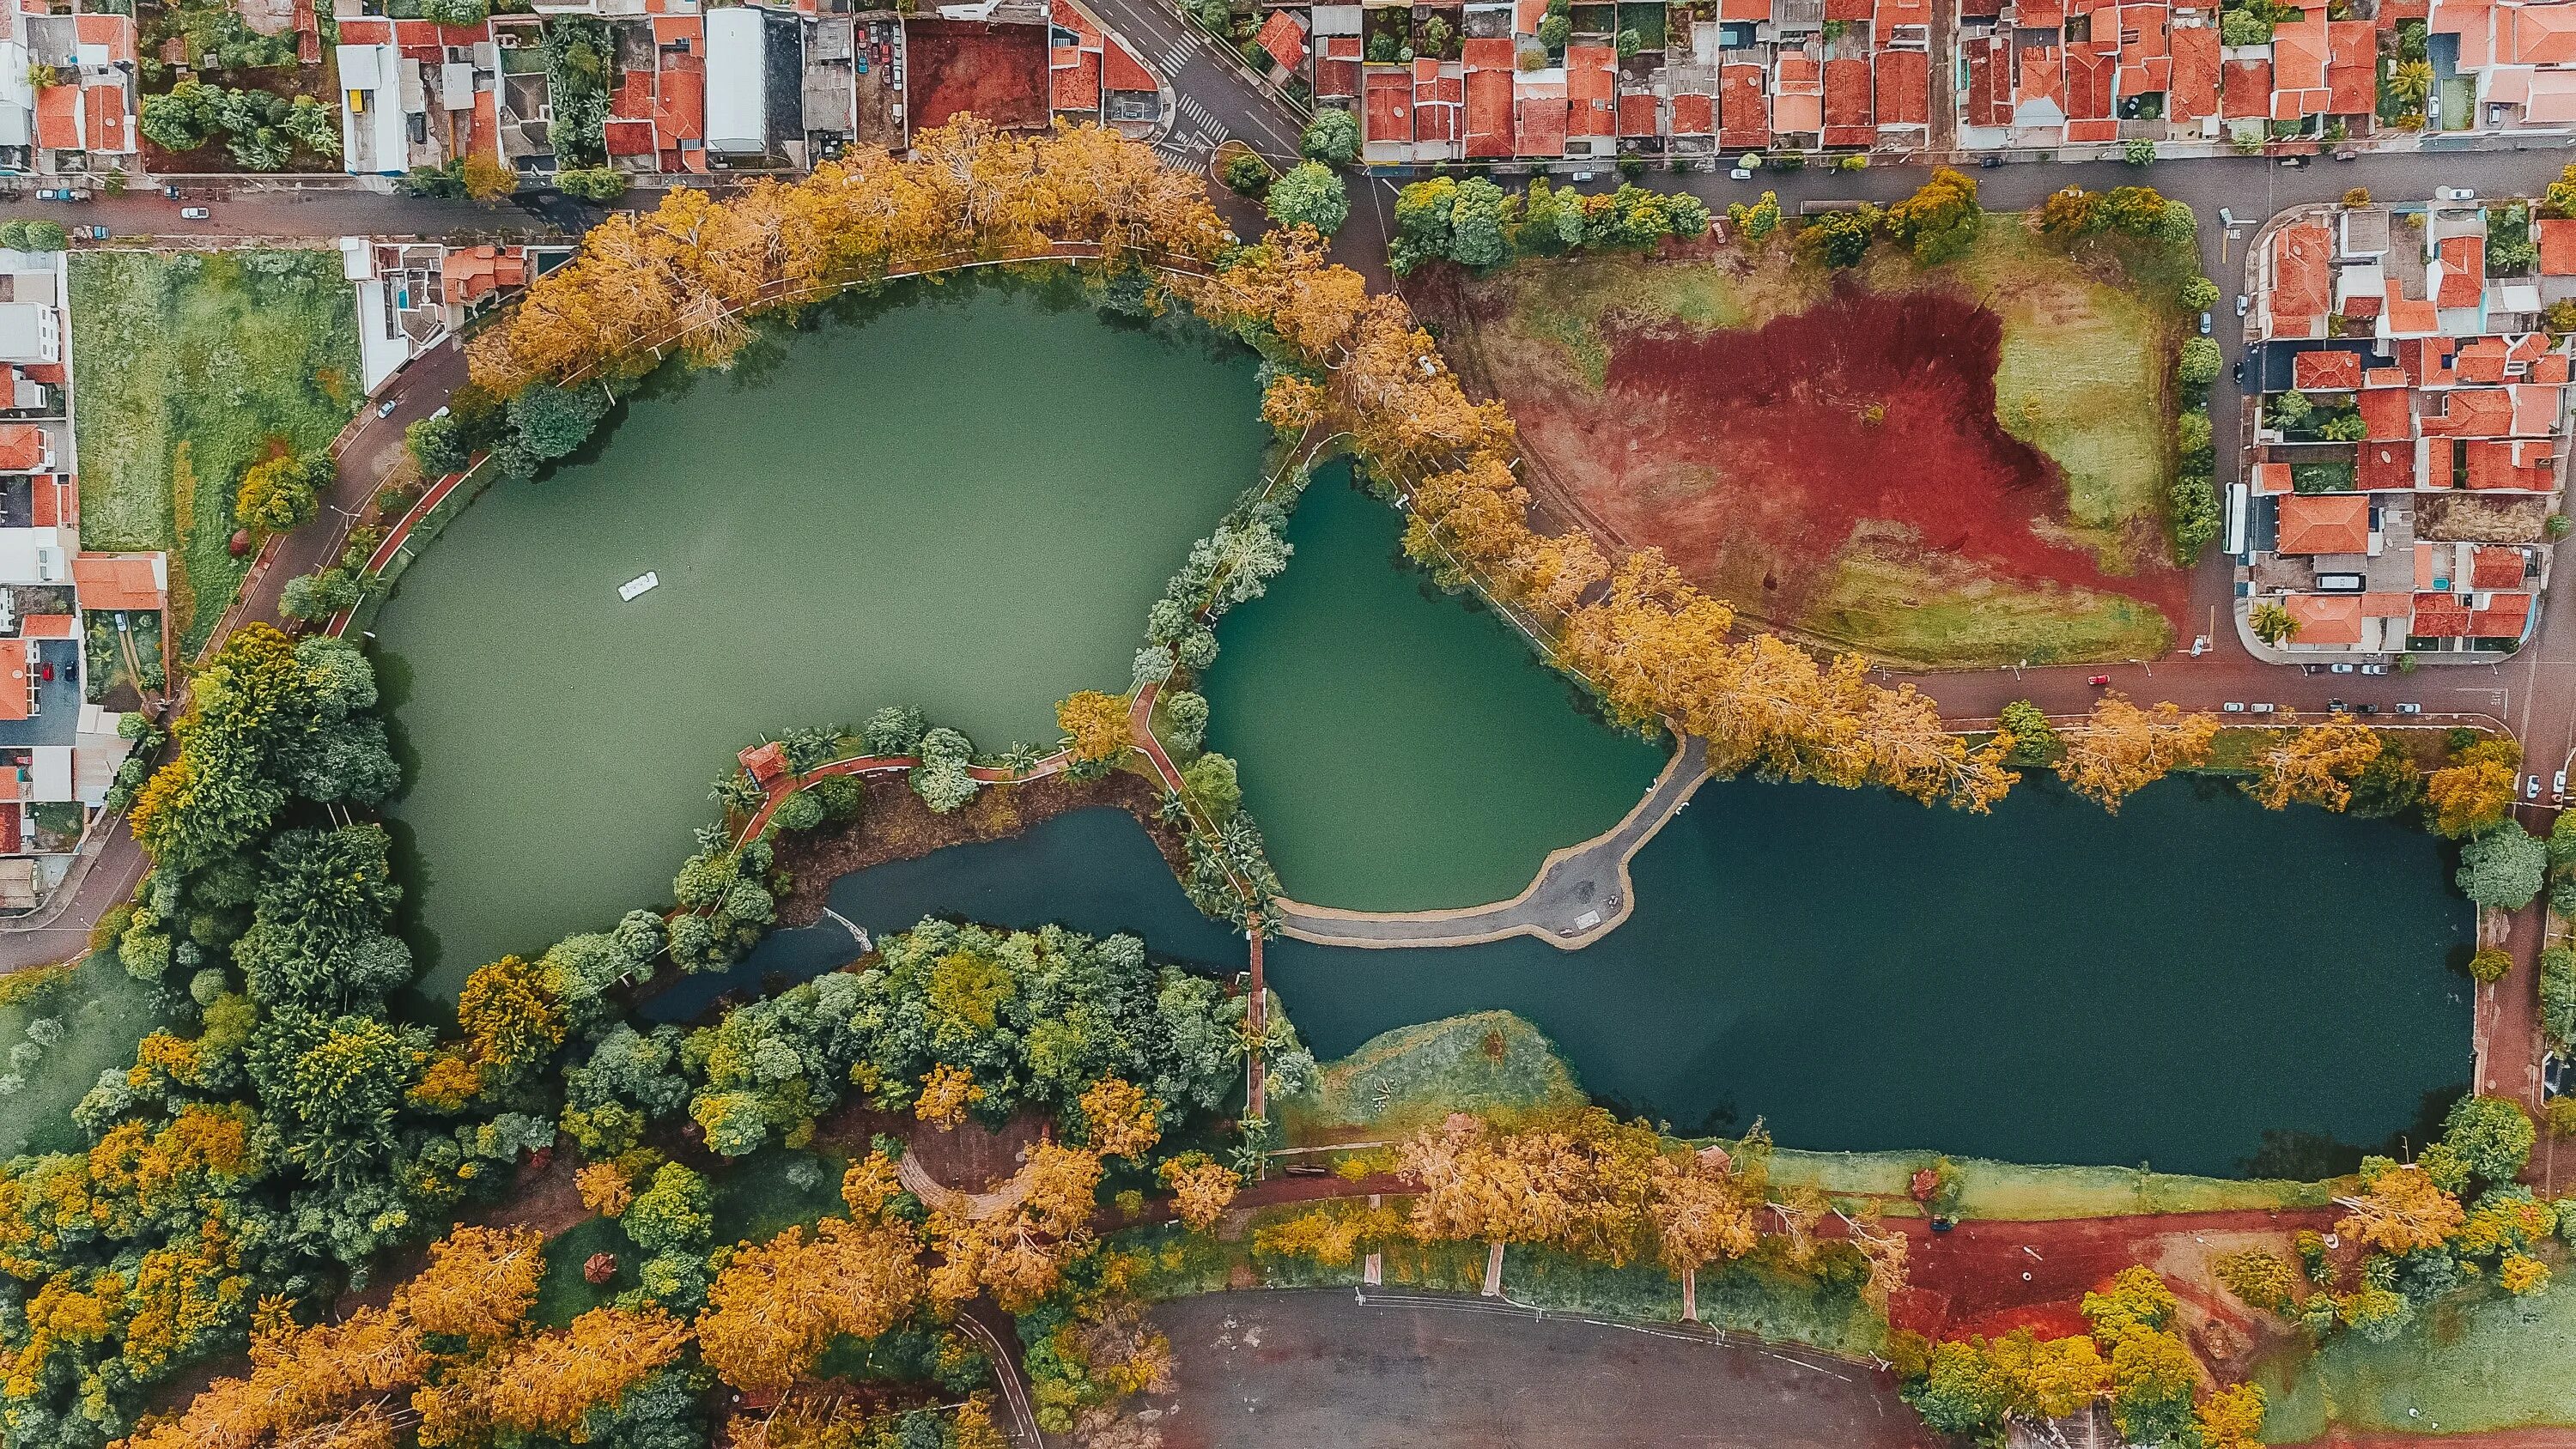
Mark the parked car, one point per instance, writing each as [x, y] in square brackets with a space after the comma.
[2312, 669]
[193, 213]
[2410, 708]
[2553, 1074]
[1740, 173]
[2343, 666]
[2335, 706]
[2204, 324]
[2098, 680]
[2558, 785]
[2374, 669]
[386, 408]
[2233, 706]
[2455, 193]
[2531, 787]
[2243, 304]
[2226, 217]
[2260, 708]
[2366, 709]
[47, 193]
[171, 192]
[2294, 162]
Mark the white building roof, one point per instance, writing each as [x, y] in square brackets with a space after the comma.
[737, 82]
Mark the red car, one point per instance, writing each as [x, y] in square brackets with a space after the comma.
[2099, 680]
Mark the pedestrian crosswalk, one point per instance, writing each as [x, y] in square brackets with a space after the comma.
[1198, 117]
[1178, 53]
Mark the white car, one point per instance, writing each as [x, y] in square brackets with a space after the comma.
[386, 408]
[2243, 304]
[2342, 667]
[2455, 193]
[2531, 788]
[2233, 706]
[193, 213]
[2410, 709]
[1740, 173]
[2374, 669]
[2259, 708]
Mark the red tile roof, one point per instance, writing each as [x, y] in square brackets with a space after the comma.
[22, 447]
[1539, 122]
[105, 107]
[2302, 272]
[2472, 412]
[1640, 115]
[2386, 467]
[628, 138]
[1696, 115]
[1847, 104]
[2464, 260]
[1388, 115]
[1744, 112]
[2502, 618]
[48, 626]
[1284, 38]
[2557, 247]
[13, 686]
[1904, 89]
[2439, 616]
[2495, 568]
[58, 118]
[2327, 371]
[2325, 618]
[2387, 414]
[115, 581]
[1590, 86]
[2498, 464]
[2195, 73]
[2248, 89]
[1489, 97]
[1126, 72]
[2352, 82]
[2089, 73]
[116, 32]
[2325, 523]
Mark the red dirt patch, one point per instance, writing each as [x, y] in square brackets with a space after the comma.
[998, 72]
[1970, 1279]
[1755, 458]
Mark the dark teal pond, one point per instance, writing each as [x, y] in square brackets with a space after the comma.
[2181, 985]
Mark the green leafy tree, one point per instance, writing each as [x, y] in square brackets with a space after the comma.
[2200, 366]
[551, 421]
[2035, 741]
[592, 183]
[2199, 294]
[2503, 867]
[1333, 138]
[894, 730]
[319, 934]
[284, 492]
[1839, 238]
[2558, 995]
[334, 1087]
[2491, 1135]
[1309, 195]
[1245, 173]
[1210, 783]
[438, 445]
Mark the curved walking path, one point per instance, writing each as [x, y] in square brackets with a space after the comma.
[1580, 894]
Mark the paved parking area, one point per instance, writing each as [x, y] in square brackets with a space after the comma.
[1321, 1368]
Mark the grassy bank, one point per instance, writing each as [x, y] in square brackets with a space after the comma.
[2485, 1362]
[189, 369]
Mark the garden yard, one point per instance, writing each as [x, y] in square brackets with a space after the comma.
[61, 1027]
[191, 369]
[1959, 467]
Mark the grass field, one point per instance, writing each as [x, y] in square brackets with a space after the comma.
[564, 1294]
[2488, 1361]
[1956, 467]
[2013, 1191]
[188, 370]
[1744, 1297]
[102, 1013]
[1492, 1061]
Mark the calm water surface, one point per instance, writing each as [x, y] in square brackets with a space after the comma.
[965, 505]
[2048, 984]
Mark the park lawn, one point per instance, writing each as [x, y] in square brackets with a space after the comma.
[2015, 1192]
[1395, 1083]
[2083, 378]
[1939, 616]
[563, 1294]
[1561, 304]
[102, 1011]
[188, 370]
[2487, 1361]
[756, 1199]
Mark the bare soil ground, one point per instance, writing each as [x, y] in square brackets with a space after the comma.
[1831, 455]
[895, 825]
[999, 72]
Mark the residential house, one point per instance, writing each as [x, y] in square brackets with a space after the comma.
[81, 70]
[2411, 440]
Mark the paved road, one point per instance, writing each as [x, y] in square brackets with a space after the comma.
[1265, 1369]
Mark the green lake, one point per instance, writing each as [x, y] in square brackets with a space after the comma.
[964, 504]
[1403, 750]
